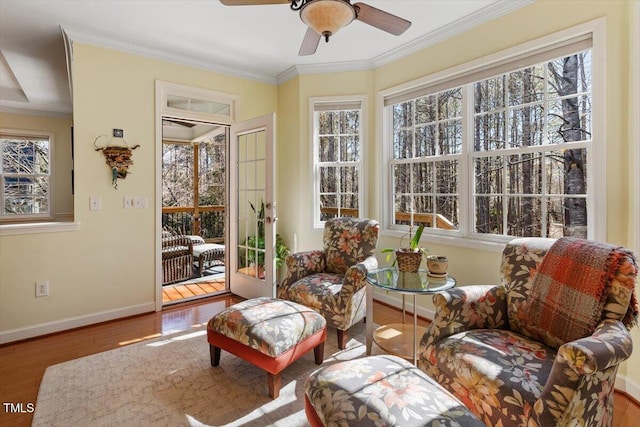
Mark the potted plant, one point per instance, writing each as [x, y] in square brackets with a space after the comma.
[408, 258]
[255, 257]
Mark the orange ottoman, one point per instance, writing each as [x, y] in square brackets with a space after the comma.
[268, 333]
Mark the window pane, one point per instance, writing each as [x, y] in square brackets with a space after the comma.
[489, 95]
[489, 130]
[349, 148]
[329, 123]
[526, 126]
[348, 179]
[446, 213]
[488, 215]
[402, 143]
[570, 119]
[450, 104]
[488, 175]
[426, 141]
[328, 180]
[328, 207]
[526, 86]
[350, 122]
[450, 137]
[523, 174]
[328, 149]
[402, 178]
[403, 115]
[426, 109]
[24, 196]
[447, 177]
[423, 177]
[524, 216]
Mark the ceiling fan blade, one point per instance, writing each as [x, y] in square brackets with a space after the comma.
[251, 2]
[380, 19]
[309, 43]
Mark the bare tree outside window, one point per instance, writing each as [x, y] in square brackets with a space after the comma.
[194, 187]
[527, 147]
[25, 176]
[338, 163]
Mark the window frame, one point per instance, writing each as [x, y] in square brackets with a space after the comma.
[596, 177]
[341, 103]
[49, 215]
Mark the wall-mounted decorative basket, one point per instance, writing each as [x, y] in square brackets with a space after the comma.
[118, 157]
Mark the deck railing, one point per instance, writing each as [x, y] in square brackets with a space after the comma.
[206, 221]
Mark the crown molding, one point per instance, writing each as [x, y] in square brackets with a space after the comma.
[500, 8]
[83, 37]
[37, 110]
[489, 13]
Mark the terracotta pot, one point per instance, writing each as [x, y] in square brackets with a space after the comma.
[437, 264]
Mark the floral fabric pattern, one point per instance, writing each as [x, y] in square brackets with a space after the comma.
[333, 281]
[267, 325]
[475, 348]
[382, 391]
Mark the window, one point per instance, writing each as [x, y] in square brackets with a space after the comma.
[337, 141]
[25, 175]
[496, 152]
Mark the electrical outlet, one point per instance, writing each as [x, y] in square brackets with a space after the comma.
[129, 202]
[42, 289]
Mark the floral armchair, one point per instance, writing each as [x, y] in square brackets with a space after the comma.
[538, 350]
[332, 281]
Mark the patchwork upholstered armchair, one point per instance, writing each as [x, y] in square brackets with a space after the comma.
[332, 281]
[543, 347]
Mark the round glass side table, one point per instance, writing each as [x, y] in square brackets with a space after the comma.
[401, 338]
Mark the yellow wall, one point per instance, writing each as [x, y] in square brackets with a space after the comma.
[542, 18]
[62, 163]
[107, 267]
[109, 263]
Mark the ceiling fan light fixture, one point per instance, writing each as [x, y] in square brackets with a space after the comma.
[327, 17]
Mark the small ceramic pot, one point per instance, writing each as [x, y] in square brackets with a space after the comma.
[437, 264]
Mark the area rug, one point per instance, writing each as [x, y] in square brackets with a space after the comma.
[170, 382]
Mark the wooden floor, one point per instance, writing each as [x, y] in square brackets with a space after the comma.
[188, 291]
[22, 364]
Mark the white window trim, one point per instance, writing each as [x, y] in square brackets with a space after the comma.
[313, 137]
[166, 89]
[50, 216]
[596, 178]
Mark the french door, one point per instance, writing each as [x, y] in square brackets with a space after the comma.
[252, 210]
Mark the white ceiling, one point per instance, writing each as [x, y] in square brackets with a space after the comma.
[257, 42]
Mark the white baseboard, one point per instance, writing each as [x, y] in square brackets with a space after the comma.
[623, 383]
[395, 300]
[629, 386]
[74, 322]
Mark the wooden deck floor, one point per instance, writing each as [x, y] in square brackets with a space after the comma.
[188, 291]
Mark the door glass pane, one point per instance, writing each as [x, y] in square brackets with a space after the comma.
[251, 209]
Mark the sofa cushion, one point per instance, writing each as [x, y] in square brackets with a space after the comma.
[492, 370]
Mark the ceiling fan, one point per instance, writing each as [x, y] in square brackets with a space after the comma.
[326, 17]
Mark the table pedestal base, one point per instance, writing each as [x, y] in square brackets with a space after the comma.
[398, 339]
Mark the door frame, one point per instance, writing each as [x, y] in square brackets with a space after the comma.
[226, 116]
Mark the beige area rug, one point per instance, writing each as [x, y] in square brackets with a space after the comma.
[170, 382]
